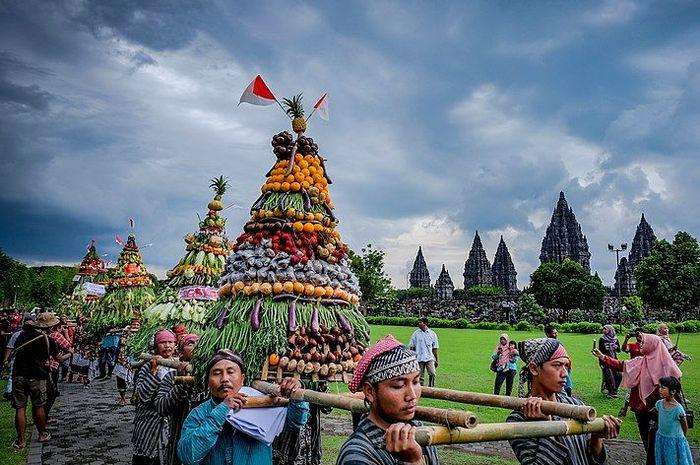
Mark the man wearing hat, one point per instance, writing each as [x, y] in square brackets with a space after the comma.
[30, 374]
[208, 439]
[389, 376]
[174, 400]
[544, 375]
[150, 437]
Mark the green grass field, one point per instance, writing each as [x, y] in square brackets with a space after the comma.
[8, 455]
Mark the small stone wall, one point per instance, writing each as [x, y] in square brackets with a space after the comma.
[477, 309]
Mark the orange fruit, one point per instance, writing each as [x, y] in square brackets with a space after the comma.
[319, 291]
[288, 287]
[289, 178]
[309, 289]
[318, 227]
[284, 186]
[308, 227]
[329, 291]
[306, 184]
[277, 288]
[276, 186]
[295, 186]
[299, 176]
[298, 287]
[298, 226]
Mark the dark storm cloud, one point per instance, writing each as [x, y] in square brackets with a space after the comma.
[23, 98]
[157, 24]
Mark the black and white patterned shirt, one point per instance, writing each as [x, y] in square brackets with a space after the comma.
[365, 446]
[567, 450]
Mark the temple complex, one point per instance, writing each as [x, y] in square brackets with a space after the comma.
[444, 286]
[420, 277]
[503, 272]
[477, 269]
[564, 238]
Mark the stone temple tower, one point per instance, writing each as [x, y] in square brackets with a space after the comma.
[503, 271]
[477, 269]
[444, 286]
[420, 277]
[644, 240]
[624, 279]
[564, 238]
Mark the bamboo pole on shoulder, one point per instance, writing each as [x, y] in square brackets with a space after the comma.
[434, 415]
[577, 412]
[164, 362]
[438, 435]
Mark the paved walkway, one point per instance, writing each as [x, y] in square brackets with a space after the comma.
[91, 429]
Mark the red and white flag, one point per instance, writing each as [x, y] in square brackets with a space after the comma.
[257, 93]
[118, 240]
[322, 107]
[131, 223]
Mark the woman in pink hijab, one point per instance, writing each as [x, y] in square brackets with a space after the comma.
[502, 355]
[641, 375]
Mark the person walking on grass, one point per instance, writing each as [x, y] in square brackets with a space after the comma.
[502, 356]
[424, 342]
[610, 346]
[632, 348]
[30, 375]
[641, 376]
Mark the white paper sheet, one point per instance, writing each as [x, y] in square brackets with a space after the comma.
[263, 424]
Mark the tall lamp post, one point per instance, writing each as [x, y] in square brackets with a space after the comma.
[617, 251]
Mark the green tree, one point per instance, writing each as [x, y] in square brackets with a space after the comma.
[566, 285]
[52, 283]
[668, 278]
[633, 312]
[531, 311]
[369, 269]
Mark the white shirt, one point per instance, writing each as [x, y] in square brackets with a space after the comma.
[424, 342]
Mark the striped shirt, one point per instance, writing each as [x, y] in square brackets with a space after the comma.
[150, 427]
[569, 450]
[366, 446]
[172, 401]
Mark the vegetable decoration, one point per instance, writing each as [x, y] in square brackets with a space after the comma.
[91, 269]
[287, 294]
[129, 291]
[190, 291]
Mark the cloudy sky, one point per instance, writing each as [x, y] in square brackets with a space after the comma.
[446, 118]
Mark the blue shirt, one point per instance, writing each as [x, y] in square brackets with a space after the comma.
[204, 441]
[423, 342]
[669, 420]
[110, 340]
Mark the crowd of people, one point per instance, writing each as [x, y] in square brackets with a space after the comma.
[177, 422]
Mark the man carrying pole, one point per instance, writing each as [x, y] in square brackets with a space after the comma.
[208, 439]
[545, 373]
[389, 377]
[150, 437]
[173, 400]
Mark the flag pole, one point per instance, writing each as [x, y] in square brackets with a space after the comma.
[310, 114]
[285, 111]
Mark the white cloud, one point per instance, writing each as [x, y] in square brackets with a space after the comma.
[496, 122]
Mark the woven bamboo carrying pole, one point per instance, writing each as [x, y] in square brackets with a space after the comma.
[577, 412]
[434, 415]
[437, 435]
